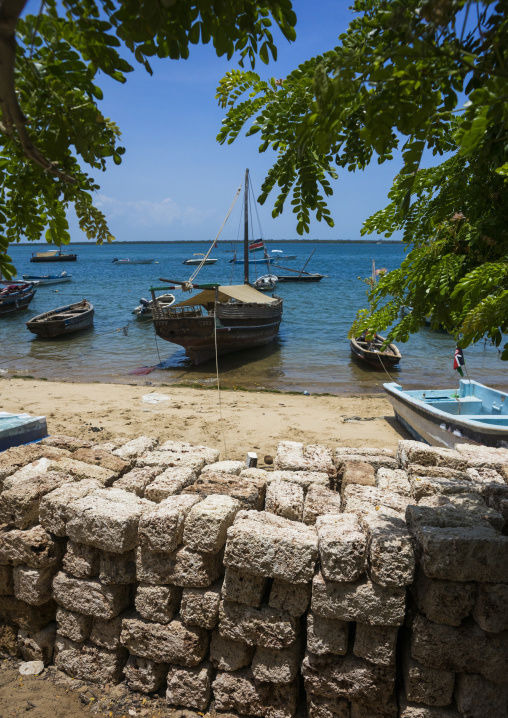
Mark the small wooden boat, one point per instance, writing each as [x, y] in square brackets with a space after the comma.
[55, 255]
[370, 352]
[64, 320]
[133, 261]
[15, 297]
[198, 259]
[300, 275]
[40, 279]
[145, 307]
[473, 414]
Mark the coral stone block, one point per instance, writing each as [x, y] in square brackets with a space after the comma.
[342, 547]
[320, 500]
[200, 606]
[189, 687]
[263, 626]
[326, 635]
[144, 675]
[33, 585]
[284, 498]
[55, 511]
[90, 597]
[242, 587]
[207, 523]
[157, 603]
[240, 691]
[161, 528]
[34, 548]
[165, 643]
[88, 662]
[81, 561]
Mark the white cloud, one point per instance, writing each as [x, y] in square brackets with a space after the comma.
[147, 213]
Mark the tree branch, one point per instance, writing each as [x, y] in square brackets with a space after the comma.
[13, 118]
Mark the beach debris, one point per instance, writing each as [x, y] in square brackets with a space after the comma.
[31, 668]
[155, 398]
[251, 460]
[268, 459]
[306, 393]
[142, 370]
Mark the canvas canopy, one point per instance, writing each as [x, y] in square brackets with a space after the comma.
[240, 292]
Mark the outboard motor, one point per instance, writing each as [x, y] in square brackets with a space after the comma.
[145, 305]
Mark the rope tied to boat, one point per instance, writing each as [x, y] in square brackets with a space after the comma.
[187, 286]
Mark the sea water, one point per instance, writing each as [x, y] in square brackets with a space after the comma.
[312, 352]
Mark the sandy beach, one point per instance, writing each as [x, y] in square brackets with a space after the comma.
[244, 421]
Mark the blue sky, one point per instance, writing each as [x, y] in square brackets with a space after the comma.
[177, 183]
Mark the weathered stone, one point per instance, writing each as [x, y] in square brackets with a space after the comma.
[228, 655]
[88, 662]
[181, 447]
[30, 618]
[496, 497]
[38, 646]
[31, 471]
[153, 567]
[427, 685]
[190, 687]
[291, 456]
[361, 709]
[342, 547]
[445, 514]
[305, 479]
[170, 483]
[289, 597]
[34, 548]
[161, 528]
[117, 568]
[395, 480]
[491, 607]
[441, 601]
[18, 456]
[137, 480]
[321, 707]
[464, 554]
[355, 498]
[358, 472]
[136, 447]
[55, 511]
[415, 452]
[90, 597]
[19, 505]
[444, 472]
[104, 459]
[422, 486]
[81, 561]
[81, 471]
[242, 587]
[259, 475]
[207, 523]
[343, 451]
[6, 581]
[347, 677]
[165, 643]
[326, 635]
[224, 467]
[285, 499]
[69, 443]
[463, 649]
[9, 639]
[193, 569]
[144, 675]
[374, 459]
[277, 666]
[107, 633]
[486, 475]
[241, 692]
[33, 585]
[391, 554]
[200, 606]
[320, 500]
[108, 446]
[73, 625]
[478, 698]
[479, 456]
[107, 519]
[263, 626]
[172, 460]
[415, 710]
[376, 644]
[249, 493]
[361, 601]
[157, 603]
[267, 545]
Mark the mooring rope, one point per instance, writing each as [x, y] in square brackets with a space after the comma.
[217, 373]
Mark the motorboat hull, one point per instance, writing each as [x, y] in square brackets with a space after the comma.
[300, 278]
[422, 418]
[18, 429]
[15, 303]
[49, 279]
[55, 258]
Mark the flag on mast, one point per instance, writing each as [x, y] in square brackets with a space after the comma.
[257, 244]
[458, 361]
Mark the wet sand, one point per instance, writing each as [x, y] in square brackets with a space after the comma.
[243, 421]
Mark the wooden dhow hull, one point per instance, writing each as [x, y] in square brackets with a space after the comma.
[62, 321]
[15, 303]
[239, 326]
[55, 258]
[386, 359]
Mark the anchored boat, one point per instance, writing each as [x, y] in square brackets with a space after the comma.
[40, 279]
[55, 255]
[64, 320]
[221, 319]
[15, 297]
[474, 414]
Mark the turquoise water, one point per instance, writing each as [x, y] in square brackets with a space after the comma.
[312, 353]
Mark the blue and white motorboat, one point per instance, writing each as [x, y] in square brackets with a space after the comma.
[39, 279]
[471, 414]
[17, 429]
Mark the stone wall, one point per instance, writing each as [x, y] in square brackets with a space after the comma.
[362, 583]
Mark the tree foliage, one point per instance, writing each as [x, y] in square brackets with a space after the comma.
[414, 76]
[52, 132]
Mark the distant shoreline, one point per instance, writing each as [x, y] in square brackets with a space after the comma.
[223, 241]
